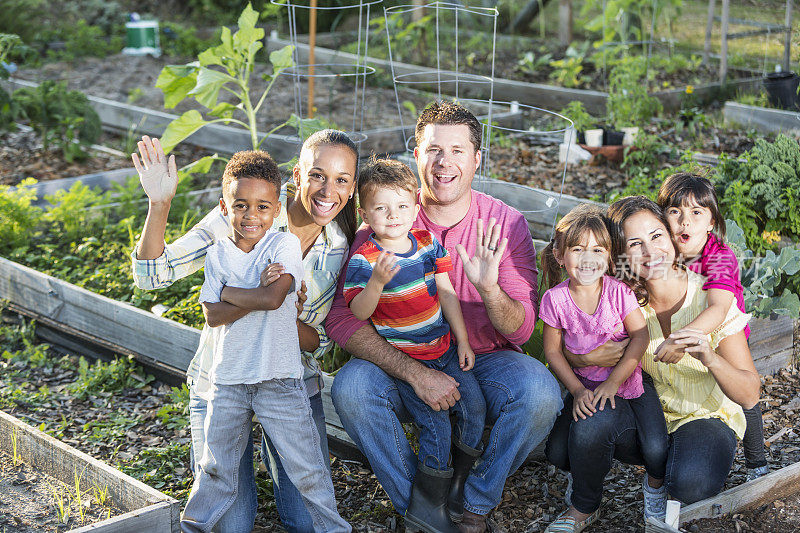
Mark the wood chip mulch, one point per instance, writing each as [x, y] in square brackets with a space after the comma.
[142, 444]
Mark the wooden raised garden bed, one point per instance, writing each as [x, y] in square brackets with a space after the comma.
[144, 508]
[534, 94]
[763, 119]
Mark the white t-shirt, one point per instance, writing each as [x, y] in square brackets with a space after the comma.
[261, 345]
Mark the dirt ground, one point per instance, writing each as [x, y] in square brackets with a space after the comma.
[29, 502]
[132, 79]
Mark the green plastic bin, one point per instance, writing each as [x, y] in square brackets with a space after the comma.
[142, 38]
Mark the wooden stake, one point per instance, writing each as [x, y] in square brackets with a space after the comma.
[709, 28]
[564, 22]
[787, 43]
[312, 41]
[723, 53]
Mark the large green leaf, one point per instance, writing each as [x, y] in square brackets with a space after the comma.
[223, 110]
[181, 128]
[176, 81]
[202, 165]
[248, 33]
[282, 59]
[209, 83]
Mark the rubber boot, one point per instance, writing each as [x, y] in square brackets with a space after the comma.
[464, 458]
[427, 510]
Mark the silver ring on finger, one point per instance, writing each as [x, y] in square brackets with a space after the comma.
[492, 248]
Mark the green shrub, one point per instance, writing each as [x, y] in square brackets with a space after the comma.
[761, 191]
[19, 220]
[60, 116]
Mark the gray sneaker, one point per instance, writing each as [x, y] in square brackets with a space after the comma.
[755, 473]
[655, 501]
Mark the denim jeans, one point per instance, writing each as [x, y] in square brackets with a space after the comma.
[294, 515]
[241, 515]
[470, 410]
[522, 401]
[284, 412]
[699, 453]
[634, 431]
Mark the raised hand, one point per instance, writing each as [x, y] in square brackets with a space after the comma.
[158, 175]
[482, 270]
[385, 268]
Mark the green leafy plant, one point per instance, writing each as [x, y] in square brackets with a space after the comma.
[760, 191]
[19, 218]
[629, 103]
[626, 20]
[576, 112]
[181, 40]
[72, 212]
[567, 71]
[60, 116]
[766, 279]
[531, 63]
[226, 67]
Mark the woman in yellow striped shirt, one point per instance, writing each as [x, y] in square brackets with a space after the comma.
[702, 381]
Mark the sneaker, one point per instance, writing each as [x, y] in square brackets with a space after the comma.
[655, 501]
[568, 490]
[755, 473]
[567, 524]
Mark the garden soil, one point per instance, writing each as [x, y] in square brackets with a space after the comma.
[29, 503]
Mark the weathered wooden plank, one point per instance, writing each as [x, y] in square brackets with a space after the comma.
[97, 316]
[771, 343]
[773, 486]
[61, 461]
[535, 94]
[104, 180]
[761, 118]
[153, 518]
[651, 525]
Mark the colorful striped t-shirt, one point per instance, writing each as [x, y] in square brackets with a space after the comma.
[408, 314]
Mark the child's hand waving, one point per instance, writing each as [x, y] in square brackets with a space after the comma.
[605, 392]
[158, 175]
[385, 268]
[583, 404]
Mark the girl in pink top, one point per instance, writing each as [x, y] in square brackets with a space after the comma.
[689, 202]
[585, 311]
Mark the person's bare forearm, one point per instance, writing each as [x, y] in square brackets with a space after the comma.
[367, 344]
[220, 313]
[151, 243]
[261, 298]
[506, 315]
[451, 308]
[365, 302]
[741, 386]
[309, 337]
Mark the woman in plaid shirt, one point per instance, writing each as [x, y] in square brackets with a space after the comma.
[318, 207]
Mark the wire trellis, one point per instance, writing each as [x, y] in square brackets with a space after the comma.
[329, 71]
[452, 83]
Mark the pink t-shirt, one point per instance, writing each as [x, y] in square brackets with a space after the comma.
[517, 276]
[719, 264]
[584, 332]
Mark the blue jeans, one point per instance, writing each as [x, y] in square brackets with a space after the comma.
[470, 410]
[284, 412]
[240, 517]
[634, 429]
[522, 401]
[699, 453]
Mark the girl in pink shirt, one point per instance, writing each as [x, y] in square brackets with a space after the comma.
[584, 312]
[690, 204]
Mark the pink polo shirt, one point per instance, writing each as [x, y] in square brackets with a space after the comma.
[719, 264]
[517, 276]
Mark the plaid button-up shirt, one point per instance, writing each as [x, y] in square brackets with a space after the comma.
[186, 255]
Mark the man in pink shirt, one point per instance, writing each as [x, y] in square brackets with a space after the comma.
[495, 280]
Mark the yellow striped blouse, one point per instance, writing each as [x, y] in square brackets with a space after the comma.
[687, 390]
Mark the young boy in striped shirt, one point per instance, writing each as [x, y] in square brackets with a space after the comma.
[399, 280]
